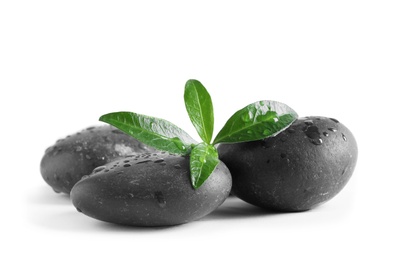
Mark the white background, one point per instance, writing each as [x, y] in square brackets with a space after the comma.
[65, 63]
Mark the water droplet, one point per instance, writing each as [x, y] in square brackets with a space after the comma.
[56, 191]
[90, 128]
[313, 134]
[267, 132]
[344, 137]
[262, 103]
[117, 131]
[79, 210]
[267, 143]
[334, 120]
[84, 177]
[78, 148]
[291, 130]
[246, 117]
[126, 161]
[177, 166]
[160, 199]
[332, 129]
[283, 155]
[325, 134]
[308, 122]
[106, 170]
[87, 156]
[144, 161]
[202, 159]
[159, 161]
[126, 165]
[317, 141]
[120, 172]
[99, 169]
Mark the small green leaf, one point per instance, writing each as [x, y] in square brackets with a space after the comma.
[155, 132]
[203, 160]
[200, 109]
[256, 121]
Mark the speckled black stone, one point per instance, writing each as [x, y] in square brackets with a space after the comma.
[151, 190]
[65, 162]
[300, 168]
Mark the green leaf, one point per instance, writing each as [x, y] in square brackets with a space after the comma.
[203, 160]
[200, 109]
[256, 121]
[155, 132]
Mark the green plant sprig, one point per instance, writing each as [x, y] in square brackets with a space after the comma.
[256, 121]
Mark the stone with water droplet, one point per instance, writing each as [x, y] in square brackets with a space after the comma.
[152, 194]
[80, 153]
[311, 167]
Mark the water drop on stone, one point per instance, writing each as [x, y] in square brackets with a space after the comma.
[344, 137]
[325, 134]
[159, 161]
[160, 198]
[332, 129]
[99, 169]
[313, 134]
[144, 161]
[317, 141]
[126, 165]
[177, 166]
[334, 120]
[308, 122]
[90, 128]
[291, 130]
[79, 210]
[117, 131]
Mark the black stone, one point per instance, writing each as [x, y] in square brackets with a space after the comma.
[308, 169]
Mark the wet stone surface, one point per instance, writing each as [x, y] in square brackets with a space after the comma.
[302, 167]
[64, 163]
[153, 190]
